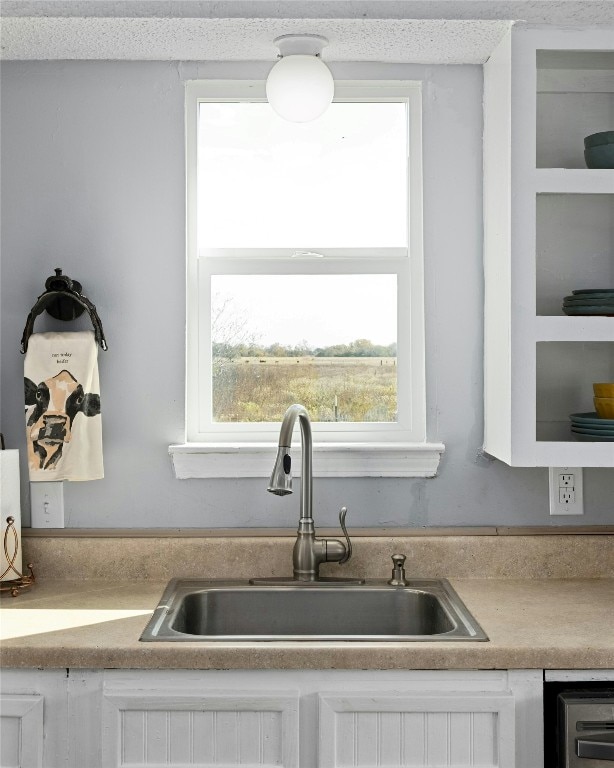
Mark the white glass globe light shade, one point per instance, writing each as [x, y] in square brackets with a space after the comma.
[300, 88]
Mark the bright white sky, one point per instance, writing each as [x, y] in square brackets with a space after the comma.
[322, 310]
[339, 181]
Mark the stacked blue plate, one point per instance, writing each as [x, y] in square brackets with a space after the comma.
[590, 301]
[590, 427]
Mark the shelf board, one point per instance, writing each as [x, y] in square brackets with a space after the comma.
[570, 80]
[574, 181]
[574, 454]
[583, 328]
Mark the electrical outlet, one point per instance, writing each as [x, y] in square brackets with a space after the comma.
[566, 491]
[47, 504]
[567, 496]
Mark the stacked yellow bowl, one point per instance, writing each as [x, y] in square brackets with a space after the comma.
[604, 400]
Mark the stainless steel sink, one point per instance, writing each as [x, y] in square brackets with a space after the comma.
[239, 611]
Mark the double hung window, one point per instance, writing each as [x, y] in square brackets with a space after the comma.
[305, 272]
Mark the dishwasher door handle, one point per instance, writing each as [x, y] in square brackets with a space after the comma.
[599, 746]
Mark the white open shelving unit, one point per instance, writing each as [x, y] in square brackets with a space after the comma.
[549, 229]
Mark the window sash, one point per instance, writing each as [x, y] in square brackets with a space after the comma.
[246, 431]
[406, 264]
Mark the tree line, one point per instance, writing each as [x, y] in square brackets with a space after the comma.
[357, 348]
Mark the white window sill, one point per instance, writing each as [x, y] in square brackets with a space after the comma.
[237, 460]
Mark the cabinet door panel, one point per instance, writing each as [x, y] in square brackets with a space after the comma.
[177, 729]
[21, 731]
[422, 730]
[10, 733]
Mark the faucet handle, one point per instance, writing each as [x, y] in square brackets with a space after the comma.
[348, 552]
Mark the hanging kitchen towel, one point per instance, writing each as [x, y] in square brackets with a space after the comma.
[62, 393]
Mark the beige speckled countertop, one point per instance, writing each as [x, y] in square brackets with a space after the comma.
[545, 601]
[536, 623]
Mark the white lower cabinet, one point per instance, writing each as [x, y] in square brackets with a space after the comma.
[285, 718]
[167, 725]
[448, 728]
[22, 730]
[33, 718]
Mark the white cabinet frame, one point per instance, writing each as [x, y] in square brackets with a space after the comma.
[512, 183]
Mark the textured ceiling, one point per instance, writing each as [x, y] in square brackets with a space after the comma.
[534, 11]
[385, 40]
[418, 31]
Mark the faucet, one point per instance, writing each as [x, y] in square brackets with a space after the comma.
[309, 551]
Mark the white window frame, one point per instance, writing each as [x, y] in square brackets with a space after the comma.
[242, 450]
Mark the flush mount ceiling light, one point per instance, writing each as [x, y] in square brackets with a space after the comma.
[300, 86]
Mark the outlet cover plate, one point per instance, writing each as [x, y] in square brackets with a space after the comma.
[47, 504]
[566, 491]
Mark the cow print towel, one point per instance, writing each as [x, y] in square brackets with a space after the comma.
[62, 394]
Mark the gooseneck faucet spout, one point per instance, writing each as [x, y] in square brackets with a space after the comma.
[281, 477]
[309, 551]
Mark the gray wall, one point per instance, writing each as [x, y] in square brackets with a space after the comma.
[93, 181]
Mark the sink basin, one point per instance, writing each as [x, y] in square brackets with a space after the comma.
[233, 611]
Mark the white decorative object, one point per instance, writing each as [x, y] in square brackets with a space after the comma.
[10, 509]
[300, 86]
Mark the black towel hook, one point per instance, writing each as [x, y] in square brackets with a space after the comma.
[63, 300]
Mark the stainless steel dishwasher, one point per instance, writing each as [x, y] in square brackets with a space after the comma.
[586, 728]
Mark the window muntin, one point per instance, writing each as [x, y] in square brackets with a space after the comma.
[221, 257]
